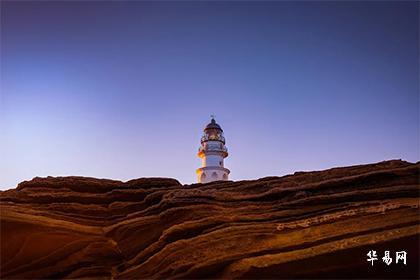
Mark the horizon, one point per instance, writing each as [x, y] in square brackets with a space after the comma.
[234, 181]
[123, 90]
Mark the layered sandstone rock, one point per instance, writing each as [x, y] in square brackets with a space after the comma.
[310, 224]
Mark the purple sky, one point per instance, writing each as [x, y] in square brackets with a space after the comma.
[122, 90]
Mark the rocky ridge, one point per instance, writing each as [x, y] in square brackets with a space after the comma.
[306, 225]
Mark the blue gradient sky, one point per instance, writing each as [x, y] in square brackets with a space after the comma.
[123, 90]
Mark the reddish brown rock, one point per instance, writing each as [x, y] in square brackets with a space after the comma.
[307, 225]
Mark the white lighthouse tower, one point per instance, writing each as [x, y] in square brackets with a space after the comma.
[212, 153]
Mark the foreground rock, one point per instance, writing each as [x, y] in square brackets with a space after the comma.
[310, 224]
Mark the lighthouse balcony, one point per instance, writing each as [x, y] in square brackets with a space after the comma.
[209, 149]
[212, 138]
[213, 149]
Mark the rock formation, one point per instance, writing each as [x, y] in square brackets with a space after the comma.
[306, 225]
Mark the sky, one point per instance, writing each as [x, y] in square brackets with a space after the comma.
[123, 90]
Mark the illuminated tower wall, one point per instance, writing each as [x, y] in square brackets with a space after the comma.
[212, 153]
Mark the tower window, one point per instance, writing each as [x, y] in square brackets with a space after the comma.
[203, 178]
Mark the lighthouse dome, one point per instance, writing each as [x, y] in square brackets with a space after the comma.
[213, 125]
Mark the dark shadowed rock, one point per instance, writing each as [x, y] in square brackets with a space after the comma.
[306, 225]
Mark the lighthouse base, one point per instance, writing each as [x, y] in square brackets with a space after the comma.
[211, 174]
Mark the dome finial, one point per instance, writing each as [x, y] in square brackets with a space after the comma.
[213, 116]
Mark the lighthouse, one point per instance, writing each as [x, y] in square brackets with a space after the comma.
[212, 153]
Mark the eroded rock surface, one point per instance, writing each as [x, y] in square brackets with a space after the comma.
[307, 225]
